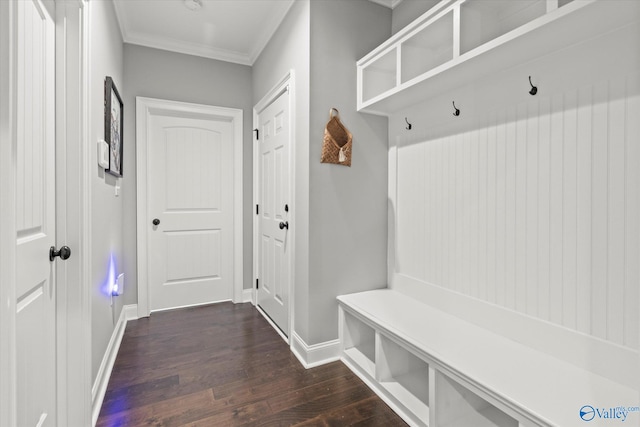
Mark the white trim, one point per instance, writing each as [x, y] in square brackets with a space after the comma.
[391, 4]
[129, 312]
[317, 354]
[144, 108]
[201, 304]
[72, 214]
[247, 296]
[7, 215]
[287, 83]
[273, 325]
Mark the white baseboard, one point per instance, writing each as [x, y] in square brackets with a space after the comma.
[129, 312]
[314, 355]
[247, 295]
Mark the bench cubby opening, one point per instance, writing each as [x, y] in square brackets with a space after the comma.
[359, 343]
[457, 406]
[404, 376]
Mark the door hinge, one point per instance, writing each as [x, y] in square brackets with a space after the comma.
[257, 131]
[257, 209]
[257, 283]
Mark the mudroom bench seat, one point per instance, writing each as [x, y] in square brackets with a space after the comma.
[438, 370]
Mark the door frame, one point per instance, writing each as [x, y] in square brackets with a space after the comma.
[146, 107]
[287, 83]
[7, 214]
[74, 162]
[73, 333]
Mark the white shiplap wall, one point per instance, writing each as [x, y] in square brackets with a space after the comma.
[530, 203]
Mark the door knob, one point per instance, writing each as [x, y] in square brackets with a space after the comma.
[284, 225]
[156, 221]
[63, 253]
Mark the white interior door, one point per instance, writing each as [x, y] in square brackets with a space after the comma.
[190, 209]
[35, 216]
[274, 242]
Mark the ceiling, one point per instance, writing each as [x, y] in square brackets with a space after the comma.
[228, 30]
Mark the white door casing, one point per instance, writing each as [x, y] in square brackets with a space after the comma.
[189, 179]
[35, 290]
[274, 226]
[74, 165]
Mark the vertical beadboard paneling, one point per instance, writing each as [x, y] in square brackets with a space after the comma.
[632, 213]
[544, 192]
[555, 211]
[501, 208]
[535, 208]
[491, 210]
[482, 213]
[521, 206]
[616, 211]
[531, 211]
[474, 244]
[510, 211]
[583, 220]
[569, 212]
[599, 208]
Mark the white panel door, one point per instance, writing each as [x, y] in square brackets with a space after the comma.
[190, 199]
[35, 216]
[274, 254]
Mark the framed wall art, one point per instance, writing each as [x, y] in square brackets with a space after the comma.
[113, 126]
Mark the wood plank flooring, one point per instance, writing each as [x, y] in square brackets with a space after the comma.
[224, 365]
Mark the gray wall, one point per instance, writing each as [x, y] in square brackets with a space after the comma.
[408, 10]
[288, 50]
[167, 75]
[106, 59]
[348, 205]
[340, 212]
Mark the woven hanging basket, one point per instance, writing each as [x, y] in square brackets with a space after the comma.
[337, 141]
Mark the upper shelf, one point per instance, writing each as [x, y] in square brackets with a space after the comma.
[458, 41]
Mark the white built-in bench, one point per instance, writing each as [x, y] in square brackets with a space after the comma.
[438, 370]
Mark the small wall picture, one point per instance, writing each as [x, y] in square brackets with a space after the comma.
[113, 126]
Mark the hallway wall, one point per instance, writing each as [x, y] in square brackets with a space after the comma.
[105, 59]
[340, 212]
[173, 76]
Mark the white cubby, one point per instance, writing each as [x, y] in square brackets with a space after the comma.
[429, 47]
[484, 20]
[359, 343]
[459, 41]
[380, 76]
[405, 377]
[457, 406]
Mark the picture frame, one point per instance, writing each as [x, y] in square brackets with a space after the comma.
[113, 126]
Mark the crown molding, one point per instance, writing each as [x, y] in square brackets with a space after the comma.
[202, 50]
[391, 4]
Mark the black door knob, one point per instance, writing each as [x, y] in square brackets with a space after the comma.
[63, 253]
[156, 221]
[284, 225]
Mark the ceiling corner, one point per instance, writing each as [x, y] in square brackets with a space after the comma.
[120, 17]
[391, 4]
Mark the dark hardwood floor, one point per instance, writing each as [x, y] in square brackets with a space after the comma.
[224, 365]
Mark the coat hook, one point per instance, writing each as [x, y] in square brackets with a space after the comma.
[534, 89]
[408, 124]
[457, 112]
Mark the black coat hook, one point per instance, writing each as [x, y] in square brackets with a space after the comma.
[457, 112]
[408, 124]
[534, 89]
